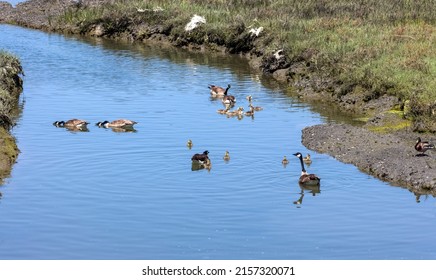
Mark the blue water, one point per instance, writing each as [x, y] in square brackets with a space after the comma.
[112, 195]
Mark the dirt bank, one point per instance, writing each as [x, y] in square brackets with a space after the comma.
[390, 157]
[11, 85]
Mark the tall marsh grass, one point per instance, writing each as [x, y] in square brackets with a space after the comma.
[385, 46]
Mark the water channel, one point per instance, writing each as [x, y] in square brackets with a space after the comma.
[104, 194]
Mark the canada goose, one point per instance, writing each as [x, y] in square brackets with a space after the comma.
[201, 157]
[74, 123]
[218, 91]
[228, 99]
[307, 159]
[226, 156]
[423, 146]
[249, 98]
[285, 160]
[305, 178]
[189, 144]
[116, 123]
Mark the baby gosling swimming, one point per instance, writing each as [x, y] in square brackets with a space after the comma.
[251, 112]
[305, 178]
[237, 112]
[257, 108]
[307, 159]
[285, 160]
[116, 123]
[73, 123]
[189, 144]
[226, 156]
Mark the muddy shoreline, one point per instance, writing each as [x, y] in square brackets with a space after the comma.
[388, 154]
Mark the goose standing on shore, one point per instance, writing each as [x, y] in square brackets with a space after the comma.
[423, 146]
[305, 178]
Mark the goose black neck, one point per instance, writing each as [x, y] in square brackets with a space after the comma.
[227, 89]
[302, 164]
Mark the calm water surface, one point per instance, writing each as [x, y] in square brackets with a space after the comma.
[109, 195]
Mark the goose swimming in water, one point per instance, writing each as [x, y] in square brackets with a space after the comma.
[228, 99]
[305, 178]
[423, 146]
[285, 160]
[201, 157]
[116, 123]
[73, 123]
[218, 91]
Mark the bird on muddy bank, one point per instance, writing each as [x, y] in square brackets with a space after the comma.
[116, 123]
[423, 146]
[73, 123]
[306, 178]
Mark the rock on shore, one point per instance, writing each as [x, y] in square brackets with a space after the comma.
[389, 157]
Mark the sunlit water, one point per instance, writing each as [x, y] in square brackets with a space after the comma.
[109, 195]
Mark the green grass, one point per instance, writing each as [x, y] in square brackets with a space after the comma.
[383, 46]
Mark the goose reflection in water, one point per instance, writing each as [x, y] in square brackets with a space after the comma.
[197, 165]
[123, 129]
[314, 190]
[77, 129]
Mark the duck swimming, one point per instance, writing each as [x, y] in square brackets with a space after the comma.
[305, 178]
[116, 123]
[423, 146]
[73, 123]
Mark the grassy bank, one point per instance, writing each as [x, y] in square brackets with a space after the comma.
[366, 56]
[10, 89]
[364, 49]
